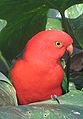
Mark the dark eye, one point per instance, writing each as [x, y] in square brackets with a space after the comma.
[59, 44]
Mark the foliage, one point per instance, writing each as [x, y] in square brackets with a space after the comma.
[24, 19]
[20, 20]
[7, 92]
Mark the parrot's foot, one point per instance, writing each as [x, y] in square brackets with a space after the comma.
[55, 98]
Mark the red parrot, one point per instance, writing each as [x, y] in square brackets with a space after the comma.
[39, 74]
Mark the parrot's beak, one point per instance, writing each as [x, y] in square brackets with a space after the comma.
[70, 49]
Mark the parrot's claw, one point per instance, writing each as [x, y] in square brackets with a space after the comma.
[55, 98]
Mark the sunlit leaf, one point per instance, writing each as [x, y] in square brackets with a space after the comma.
[3, 23]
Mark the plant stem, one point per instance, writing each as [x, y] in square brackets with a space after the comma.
[4, 61]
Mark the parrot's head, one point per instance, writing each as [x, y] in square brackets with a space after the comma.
[49, 44]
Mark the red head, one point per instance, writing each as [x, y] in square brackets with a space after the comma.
[49, 44]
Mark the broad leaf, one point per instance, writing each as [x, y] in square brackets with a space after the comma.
[74, 22]
[45, 111]
[7, 92]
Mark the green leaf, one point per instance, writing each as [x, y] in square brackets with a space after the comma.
[3, 62]
[65, 82]
[74, 11]
[7, 92]
[74, 97]
[73, 21]
[3, 23]
[77, 28]
[23, 22]
[53, 24]
[45, 111]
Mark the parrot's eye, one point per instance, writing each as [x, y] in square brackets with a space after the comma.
[59, 44]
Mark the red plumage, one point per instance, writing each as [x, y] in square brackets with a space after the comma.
[39, 74]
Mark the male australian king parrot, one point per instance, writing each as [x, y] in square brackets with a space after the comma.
[39, 74]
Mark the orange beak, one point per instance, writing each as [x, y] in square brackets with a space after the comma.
[70, 49]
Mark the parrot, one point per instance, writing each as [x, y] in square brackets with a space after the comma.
[38, 74]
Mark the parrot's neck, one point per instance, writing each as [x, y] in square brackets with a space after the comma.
[41, 57]
[46, 61]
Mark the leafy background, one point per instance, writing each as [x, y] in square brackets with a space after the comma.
[19, 21]
[26, 18]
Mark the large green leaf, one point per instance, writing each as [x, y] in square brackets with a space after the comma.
[74, 22]
[7, 92]
[44, 111]
[74, 11]
[24, 19]
[77, 29]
